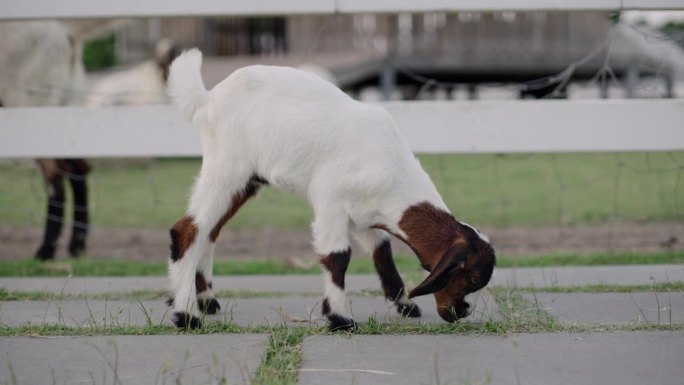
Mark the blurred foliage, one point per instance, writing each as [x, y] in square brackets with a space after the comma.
[674, 26]
[99, 53]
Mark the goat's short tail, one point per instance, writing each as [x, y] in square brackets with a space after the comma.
[185, 84]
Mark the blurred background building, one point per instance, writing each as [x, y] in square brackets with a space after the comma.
[465, 55]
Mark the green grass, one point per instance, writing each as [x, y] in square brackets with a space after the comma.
[405, 264]
[594, 259]
[282, 358]
[488, 190]
[14, 295]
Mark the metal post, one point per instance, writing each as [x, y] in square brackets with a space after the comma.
[388, 81]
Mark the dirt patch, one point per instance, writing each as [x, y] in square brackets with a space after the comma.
[286, 245]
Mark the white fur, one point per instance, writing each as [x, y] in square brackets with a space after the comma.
[482, 236]
[303, 135]
[335, 295]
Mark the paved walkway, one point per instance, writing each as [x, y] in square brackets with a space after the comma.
[560, 359]
[598, 357]
[172, 359]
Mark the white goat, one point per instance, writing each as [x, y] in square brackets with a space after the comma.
[299, 133]
[142, 84]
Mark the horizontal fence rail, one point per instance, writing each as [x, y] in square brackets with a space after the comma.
[22, 9]
[430, 127]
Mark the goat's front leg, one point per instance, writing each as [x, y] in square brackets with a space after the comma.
[331, 242]
[334, 303]
[391, 281]
[377, 243]
[206, 299]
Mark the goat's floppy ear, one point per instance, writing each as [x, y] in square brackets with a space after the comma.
[454, 258]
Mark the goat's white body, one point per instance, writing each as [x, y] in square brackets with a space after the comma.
[302, 135]
[305, 136]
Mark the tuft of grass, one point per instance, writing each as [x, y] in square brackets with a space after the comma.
[521, 316]
[282, 357]
[405, 264]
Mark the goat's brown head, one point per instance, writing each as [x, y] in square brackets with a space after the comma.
[465, 267]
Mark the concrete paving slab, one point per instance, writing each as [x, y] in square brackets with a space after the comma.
[298, 284]
[612, 308]
[187, 359]
[523, 277]
[588, 275]
[82, 313]
[596, 358]
[244, 312]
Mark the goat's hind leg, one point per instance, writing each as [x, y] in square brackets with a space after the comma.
[208, 304]
[187, 245]
[192, 236]
[203, 278]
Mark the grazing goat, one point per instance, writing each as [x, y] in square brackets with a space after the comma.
[41, 65]
[296, 132]
[142, 84]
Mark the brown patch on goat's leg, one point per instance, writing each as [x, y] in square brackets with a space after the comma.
[335, 266]
[205, 297]
[391, 281]
[183, 233]
[238, 199]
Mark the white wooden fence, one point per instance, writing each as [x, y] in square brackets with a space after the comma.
[430, 127]
[23, 9]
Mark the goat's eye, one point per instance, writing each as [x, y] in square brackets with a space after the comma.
[475, 280]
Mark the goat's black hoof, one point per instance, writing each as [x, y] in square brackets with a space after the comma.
[46, 253]
[209, 305]
[338, 323]
[186, 321]
[409, 310]
[169, 301]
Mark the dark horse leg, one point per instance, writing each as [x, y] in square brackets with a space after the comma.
[54, 181]
[54, 171]
[77, 178]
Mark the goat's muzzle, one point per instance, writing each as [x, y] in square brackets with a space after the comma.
[457, 310]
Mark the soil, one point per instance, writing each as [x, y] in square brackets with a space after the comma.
[294, 246]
